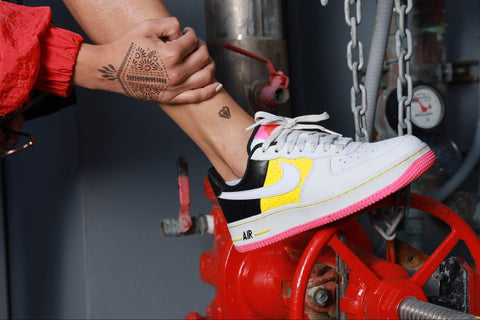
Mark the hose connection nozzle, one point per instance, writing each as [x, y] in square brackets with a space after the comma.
[185, 224]
[265, 95]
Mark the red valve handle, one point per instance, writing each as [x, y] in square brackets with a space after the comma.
[271, 94]
[271, 69]
[327, 236]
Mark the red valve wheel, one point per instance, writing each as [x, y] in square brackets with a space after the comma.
[386, 290]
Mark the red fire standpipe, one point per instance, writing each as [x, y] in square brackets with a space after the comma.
[331, 271]
[300, 277]
[255, 26]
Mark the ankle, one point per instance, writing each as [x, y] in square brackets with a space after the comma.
[229, 173]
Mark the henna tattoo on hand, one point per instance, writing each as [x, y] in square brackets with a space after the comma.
[224, 112]
[109, 72]
[142, 74]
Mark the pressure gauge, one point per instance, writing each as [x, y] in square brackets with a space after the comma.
[428, 107]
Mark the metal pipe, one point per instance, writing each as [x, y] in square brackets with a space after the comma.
[464, 171]
[467, 167]
[252, 25]
[413, 309]
[376, 57]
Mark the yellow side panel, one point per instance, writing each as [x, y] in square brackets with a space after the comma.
[274, 173]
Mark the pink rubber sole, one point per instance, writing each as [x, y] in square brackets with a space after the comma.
[420, 166]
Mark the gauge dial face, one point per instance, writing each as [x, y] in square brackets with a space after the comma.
[427, 107]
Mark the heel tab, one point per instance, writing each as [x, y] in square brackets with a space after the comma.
[216, 181]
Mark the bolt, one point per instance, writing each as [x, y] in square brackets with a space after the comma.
[318, 296]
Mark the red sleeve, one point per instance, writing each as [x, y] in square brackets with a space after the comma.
[33, 53]
[59, 50]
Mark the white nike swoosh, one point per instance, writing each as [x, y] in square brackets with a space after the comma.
[289, 181]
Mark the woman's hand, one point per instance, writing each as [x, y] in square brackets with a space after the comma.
[154, 61]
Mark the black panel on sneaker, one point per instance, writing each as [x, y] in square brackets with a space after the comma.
[240, 209]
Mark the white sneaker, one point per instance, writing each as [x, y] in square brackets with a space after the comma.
[300, 176]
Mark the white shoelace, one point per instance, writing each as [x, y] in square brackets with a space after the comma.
[299, 132]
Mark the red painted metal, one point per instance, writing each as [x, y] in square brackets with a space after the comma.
[272, 282]
[304, 269]
[184, 218]
[257, 284]
[377, 287]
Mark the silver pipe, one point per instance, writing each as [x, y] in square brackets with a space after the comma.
[253, 25]
[467, 167]
[413, 309]
[376, 57]
[465, 170]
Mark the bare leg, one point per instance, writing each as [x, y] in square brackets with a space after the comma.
[307, 179]
[222, 140]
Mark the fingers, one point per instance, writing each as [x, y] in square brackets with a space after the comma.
[184, 57]
[198, 59]
[198, 87]
[166, 29]
[185, 44]
[197, 95]
[200, 78]
[185, 51]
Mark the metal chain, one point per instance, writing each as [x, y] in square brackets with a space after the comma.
[358, 93]
[386, 222]
[403, 50]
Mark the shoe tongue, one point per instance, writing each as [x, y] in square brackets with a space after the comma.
[260, 135]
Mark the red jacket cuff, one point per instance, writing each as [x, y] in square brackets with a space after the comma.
[20, 28]
[59, 50]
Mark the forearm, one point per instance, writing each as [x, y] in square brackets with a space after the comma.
[105, 20]
[86, 74]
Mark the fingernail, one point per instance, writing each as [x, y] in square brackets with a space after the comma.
[219, 87]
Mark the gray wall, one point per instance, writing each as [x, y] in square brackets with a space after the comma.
[85, 204]
[83, 207]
